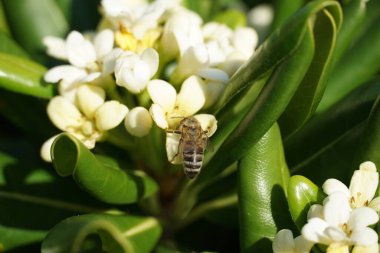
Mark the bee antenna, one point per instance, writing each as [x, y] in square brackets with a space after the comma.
[177, 117]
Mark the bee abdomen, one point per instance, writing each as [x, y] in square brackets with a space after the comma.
[192, 163]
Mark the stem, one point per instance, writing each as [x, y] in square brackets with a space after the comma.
[203, 209]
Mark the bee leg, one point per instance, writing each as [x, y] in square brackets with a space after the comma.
[171, 131]
[179, 151]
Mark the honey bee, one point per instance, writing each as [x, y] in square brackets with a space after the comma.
[192, 145]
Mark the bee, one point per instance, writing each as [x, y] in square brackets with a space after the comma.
[192, 144]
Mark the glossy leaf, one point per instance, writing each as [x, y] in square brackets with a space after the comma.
[28, 30]
[283, 10]
[351, 27]
[302, 193]
[118, 234]
[32, 197]
[262, 180]
[23, 76]
[310, 91]
[104, 181]
[290, 50]
[348, 74]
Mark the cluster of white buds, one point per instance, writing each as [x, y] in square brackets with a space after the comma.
[121, 72]
[342, 222]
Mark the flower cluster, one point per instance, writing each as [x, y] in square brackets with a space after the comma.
[148, 62]
[342, 222]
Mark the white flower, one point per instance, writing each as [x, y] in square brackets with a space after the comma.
[195, 61]
[261, 16]
[339, 227]
[136, 17]
[366, 249]
[138, 121]
[362, 188]
[168, 108]
[181, 31]
[84, 56]
[134, 71]
[284, 242]
[87, 119]
[228, 49]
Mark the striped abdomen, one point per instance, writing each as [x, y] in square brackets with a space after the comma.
[192, 158]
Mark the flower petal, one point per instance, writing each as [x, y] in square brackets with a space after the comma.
[364, 183]
[333, 185]
[151, 57]
[45, 149]
[314, 231]
[214, 74]
[163, 94]
[362, 217]
[138, 122]
[110, 114]
[302, 245]
[375, 204]
[191, 98]
[109, 60]
[315, 211]
[56, 47]
[89, 99]
[192, 61]
[336, 210]
[65, 72]
[366, 249]
[172, 145]
[283, 242]
[103, 43]
[158, 115]
[80, 52]
[364, 237]
[63, 113]
[208, 123]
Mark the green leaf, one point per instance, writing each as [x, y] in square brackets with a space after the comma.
[104, 181]
[283, 10]
[232, 18]
[351, 28]
[118, 234]
[23, 76]
[3, 20]
[302, 193]
[32, 197]
[310, 91]
[7, 45]
[348, 74]
[28, 30]
[325, 146]
[263, 177]
[369, 145]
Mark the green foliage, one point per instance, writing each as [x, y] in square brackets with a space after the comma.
[104, 180]
[118, 233]
[307, 100]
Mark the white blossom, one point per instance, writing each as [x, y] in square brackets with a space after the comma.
[87, 119]
[362, 188]
[340, 227]
[138, 121]
[134, 71]
[284, 242]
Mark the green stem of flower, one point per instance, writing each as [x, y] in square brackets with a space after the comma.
[203, 209]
